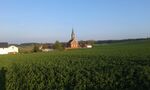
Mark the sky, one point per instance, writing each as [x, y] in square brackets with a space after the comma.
[50, 20]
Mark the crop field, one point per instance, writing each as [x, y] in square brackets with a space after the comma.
[116, 66]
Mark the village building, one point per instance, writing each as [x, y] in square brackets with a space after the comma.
[84, 44]
[6, 49]
[73, 43]
[89, 46]
[46, 47]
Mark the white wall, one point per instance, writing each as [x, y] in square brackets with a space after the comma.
[3, 50]
[89, 46]
[10, 49]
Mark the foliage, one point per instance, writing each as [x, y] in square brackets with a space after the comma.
[36, 48]
[84, 43]
[58, 46]
[26, 49]
[120, 66]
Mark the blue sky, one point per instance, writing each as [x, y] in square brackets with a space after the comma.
[51, 20]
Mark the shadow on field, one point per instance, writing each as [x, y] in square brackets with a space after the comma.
[3, 78]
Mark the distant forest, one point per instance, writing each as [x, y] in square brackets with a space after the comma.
[117, 41]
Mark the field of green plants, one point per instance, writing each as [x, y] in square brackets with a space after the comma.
[117, 66]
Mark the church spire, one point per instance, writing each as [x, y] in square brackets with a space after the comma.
[72, 34]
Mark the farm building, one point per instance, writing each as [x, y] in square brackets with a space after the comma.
[85, 44]
[89, 46]
[46, 47]
[6, 49]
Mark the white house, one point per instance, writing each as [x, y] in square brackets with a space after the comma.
[46, 47]
[89, 46]
[5, 49]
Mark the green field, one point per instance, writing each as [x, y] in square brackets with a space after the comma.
[116, 66]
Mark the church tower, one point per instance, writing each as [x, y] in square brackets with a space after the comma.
[73, 43]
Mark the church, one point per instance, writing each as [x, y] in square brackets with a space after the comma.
[73, 43]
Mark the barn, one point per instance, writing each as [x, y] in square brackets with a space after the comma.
[6, 49]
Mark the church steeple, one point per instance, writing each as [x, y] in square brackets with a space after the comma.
[73, 43]
[73, 34]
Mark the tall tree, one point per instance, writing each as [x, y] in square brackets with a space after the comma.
[58, 46]
[36, 48]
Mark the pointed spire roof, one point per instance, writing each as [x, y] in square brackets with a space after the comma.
[72, 34]
[73, 31]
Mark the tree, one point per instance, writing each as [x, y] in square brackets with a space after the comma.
[91, 42]
[36, 48]
[58, 46]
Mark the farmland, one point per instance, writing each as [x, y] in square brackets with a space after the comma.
[116, 66]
